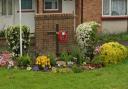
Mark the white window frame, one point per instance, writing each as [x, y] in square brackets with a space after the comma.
[52, 9]
[110, 9]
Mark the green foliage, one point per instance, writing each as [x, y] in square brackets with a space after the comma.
[24, 60]
[112, 53]
[52, 59]
[97, 59]
[77, 69]
[64, 56]
[2, 33]
[86, 35]
[77, 55]
[13, 38]
[105, 37]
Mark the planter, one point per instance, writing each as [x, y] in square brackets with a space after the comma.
[90, 66]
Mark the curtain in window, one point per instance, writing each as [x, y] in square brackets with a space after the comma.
[4, 12]
[54, 4]
[119, 7]
[51, 4]
[106, 7]
[9, 7]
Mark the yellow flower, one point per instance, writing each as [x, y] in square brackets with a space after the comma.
[43, 61]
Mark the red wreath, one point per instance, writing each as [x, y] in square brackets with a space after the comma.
[62, 36]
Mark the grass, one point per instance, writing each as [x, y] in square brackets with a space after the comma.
[111, 77]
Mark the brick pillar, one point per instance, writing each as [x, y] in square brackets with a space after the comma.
[46, 28]
[37, 5]
[92, 10]
[40, 6]
[78, 11]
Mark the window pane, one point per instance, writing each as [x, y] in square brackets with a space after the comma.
[9, 7]
[26, 4]
[51, 4]
[119, 7]
[106, 7]
[4, 7]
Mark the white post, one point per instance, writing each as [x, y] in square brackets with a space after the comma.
[20, 27]
[74, 13]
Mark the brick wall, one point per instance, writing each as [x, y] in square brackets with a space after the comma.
[92, 10]
[45, 23]
[45, 28]
[78, 5]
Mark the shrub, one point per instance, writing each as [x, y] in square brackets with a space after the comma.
[107, 37]
[87, 38]
[24, 60]
[52, 59]
[77, 55]
[2, 33]
[77, 69]
[13, 38]
[64, 56]
[112, 53]
[43, 61]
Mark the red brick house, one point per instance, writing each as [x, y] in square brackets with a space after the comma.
[111, 14]
[48, 16]
[43, 15]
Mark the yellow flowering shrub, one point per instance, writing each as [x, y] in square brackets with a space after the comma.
[112, 53]
[43, 61]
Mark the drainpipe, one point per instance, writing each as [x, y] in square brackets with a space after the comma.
[127, 24]
[82, 11]
[74, 13]
[127, 17]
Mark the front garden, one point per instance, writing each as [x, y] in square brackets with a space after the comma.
[110, 77]
[97, 61]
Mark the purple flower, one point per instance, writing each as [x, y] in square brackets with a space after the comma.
[35, 68]
[46, 69]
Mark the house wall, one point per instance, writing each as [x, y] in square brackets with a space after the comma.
[46, 31]
[68, 6]
[92, 10]
[27, 17]
[46, 27]
[114, 26]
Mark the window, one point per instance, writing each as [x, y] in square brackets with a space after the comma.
[52, 5]
[26, 4]
[115, 7]
[6, 7]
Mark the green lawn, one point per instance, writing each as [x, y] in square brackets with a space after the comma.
[111, 77]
